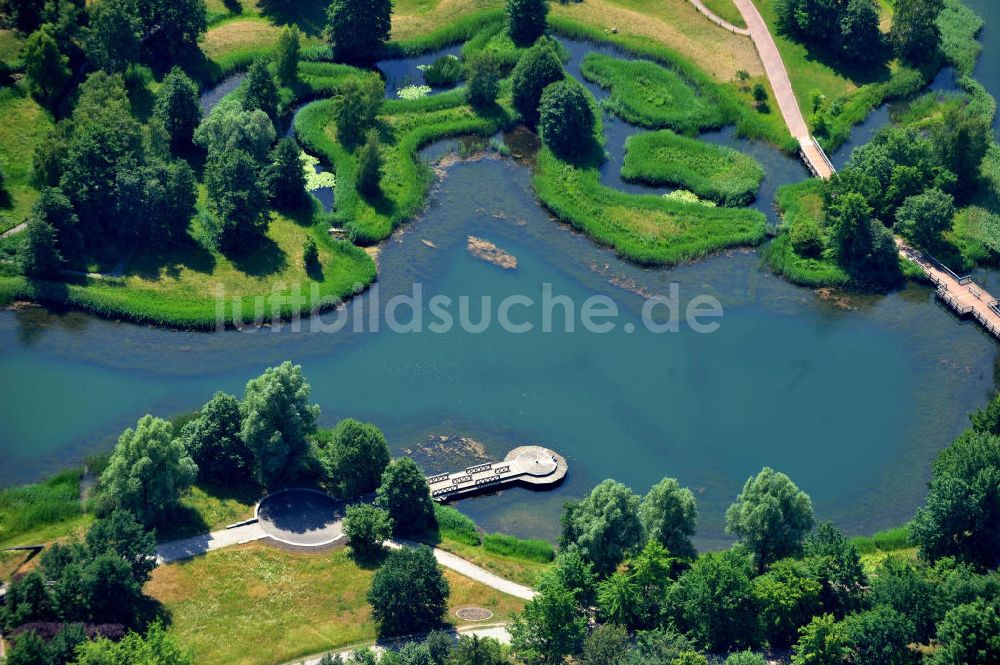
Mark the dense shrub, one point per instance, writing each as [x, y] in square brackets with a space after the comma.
[565, 118]
[538, 67]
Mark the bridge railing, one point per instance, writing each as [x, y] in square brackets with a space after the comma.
[961, 279]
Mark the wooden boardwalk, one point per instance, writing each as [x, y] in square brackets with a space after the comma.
[527, 465]
[959, 292]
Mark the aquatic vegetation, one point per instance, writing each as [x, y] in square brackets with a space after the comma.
[685, 196]
[644, 93]
[413, 91]
[316, 179]
[712, 172]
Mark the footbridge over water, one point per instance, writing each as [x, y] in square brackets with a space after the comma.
[531, 466]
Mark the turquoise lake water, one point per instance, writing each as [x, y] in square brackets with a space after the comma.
[851, 397]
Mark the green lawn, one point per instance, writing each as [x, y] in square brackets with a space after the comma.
[24, 124]
[725, 9]
[712, 172]
[255, 604]
[10, 46]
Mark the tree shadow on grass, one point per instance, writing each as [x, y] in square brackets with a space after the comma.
[309, 15]
[241, 488]
[156, 262]
[315, 271]
[302, 211]
[368, 560]
[858, 73]
[181, 522]
[265, 258]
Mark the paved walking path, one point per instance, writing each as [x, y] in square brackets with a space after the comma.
[718, 20]
[774, 67]
[17, 229]
[208, 542]
[496, 631]
[960, 293]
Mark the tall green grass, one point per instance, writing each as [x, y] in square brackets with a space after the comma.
[890, 540]
[29, 508]
[712, 172]
[456, 526]
[644, 93]
[530, 550]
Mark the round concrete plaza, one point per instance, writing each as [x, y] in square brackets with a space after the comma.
[301, 517]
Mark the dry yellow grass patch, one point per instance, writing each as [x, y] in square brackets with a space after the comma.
[239, 35]
[652, 223]
[675, 24]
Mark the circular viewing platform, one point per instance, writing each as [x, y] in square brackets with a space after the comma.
[532, 466]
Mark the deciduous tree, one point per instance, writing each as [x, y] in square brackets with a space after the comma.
[565, 118]
[287, 55]
[526, 20]
[358, 29]
[404, 493]
[367, 527]
[177, 107]
[357, 456]
[550, 628]
[961, 515]
[260, 92]
[924, 218]
[46, 67]
[277, 420]
[669, 513]
[408, 593]
[771, 516]
[148, 470]
[605, 526]
[213, 440]
[538, 67]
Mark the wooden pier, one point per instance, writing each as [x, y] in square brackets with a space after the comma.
[532, 466]
[960, 293]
